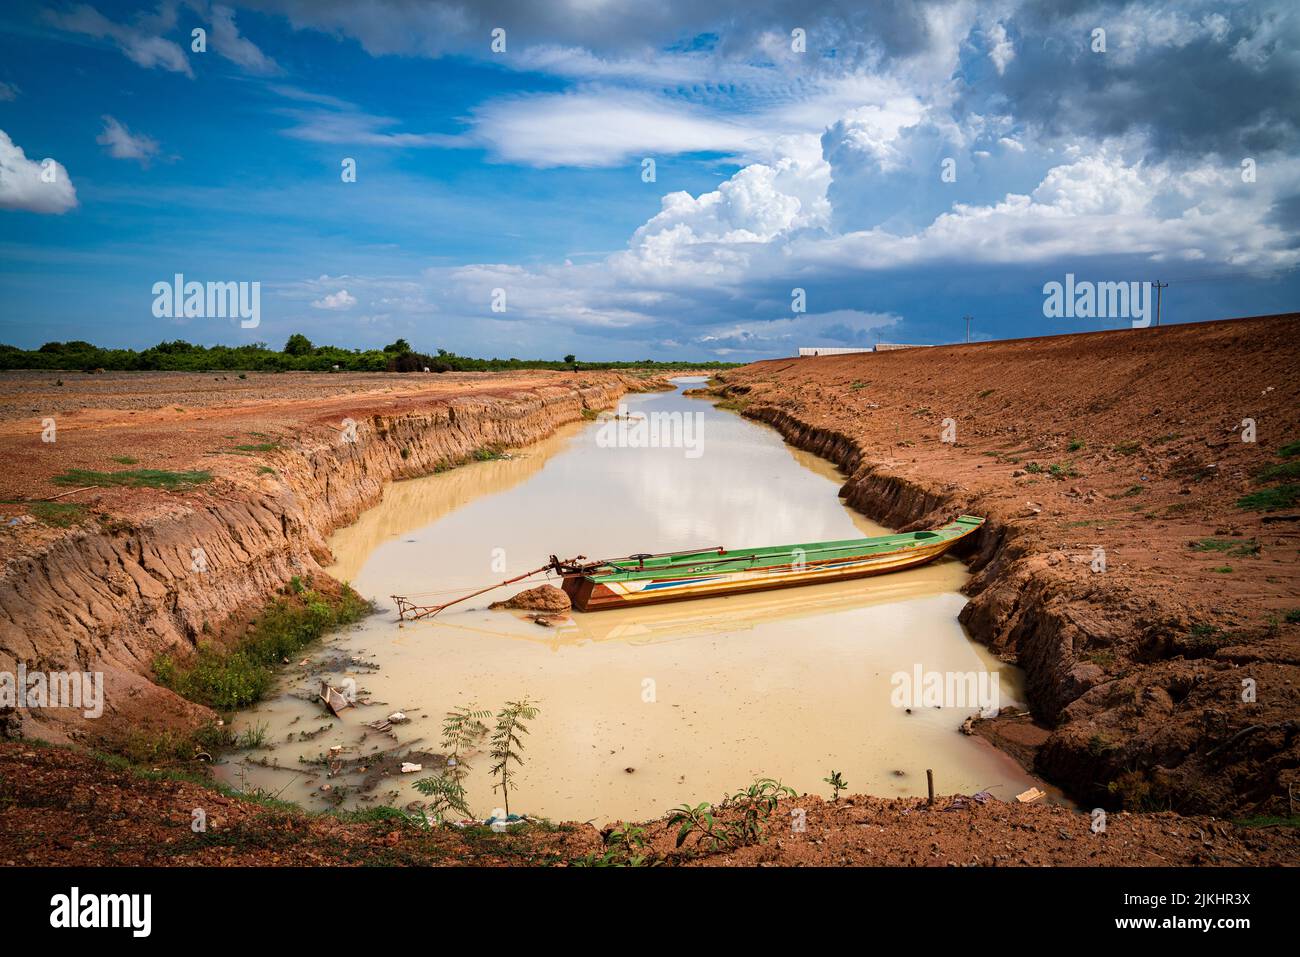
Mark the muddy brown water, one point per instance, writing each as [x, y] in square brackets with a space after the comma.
[640, 709]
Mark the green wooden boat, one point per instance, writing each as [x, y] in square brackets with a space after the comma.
[704, 573]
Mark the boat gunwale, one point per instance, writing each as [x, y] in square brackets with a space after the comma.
[686, 563]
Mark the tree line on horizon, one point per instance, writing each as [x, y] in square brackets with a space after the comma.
[298, 355]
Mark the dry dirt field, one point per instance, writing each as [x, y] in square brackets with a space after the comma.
[1121, 446]
[189, 420]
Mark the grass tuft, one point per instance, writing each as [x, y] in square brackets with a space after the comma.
[1229, 546]
[1271, 499]
[133, 478]
[1283, 470]
[58, 514]
[232, 678]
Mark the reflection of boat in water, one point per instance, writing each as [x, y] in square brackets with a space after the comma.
[677, 576]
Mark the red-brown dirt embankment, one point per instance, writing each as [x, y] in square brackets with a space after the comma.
[108, 578]
[1156, 618]
[63, 807]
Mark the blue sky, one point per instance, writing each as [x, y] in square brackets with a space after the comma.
[775, 168]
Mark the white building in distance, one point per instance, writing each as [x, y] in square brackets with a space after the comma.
[828, 350]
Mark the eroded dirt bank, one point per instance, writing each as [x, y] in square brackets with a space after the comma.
[142, 571]
[1119, 568]
[62, 807]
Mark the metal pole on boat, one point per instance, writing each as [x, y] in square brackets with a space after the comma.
[426, 611]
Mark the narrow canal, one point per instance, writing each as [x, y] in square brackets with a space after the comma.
[640, 709]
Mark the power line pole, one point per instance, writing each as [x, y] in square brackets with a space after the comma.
[1159, 285]
[968, 319]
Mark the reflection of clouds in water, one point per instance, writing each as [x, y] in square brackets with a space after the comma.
[741, 492]
[575, 496]
[414, 504]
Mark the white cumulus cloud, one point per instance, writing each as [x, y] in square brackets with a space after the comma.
[30, 185]
[336, 300]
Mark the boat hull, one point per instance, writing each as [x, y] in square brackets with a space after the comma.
[587, 594]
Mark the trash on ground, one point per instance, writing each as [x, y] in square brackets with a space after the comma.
[333, 699]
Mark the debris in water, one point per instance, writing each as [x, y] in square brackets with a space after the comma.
[409, 768]
[1030, 796]
[333, 699]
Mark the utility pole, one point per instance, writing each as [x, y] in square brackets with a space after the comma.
[1159, 285]
[968, 319]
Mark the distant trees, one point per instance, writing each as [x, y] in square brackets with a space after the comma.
[298, 345]
[408, 362]
[298, 355]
